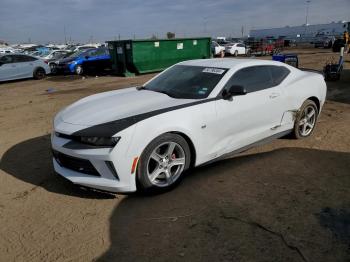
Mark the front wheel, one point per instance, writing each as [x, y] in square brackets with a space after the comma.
[305, 121]
[79, 70]
[163, 162]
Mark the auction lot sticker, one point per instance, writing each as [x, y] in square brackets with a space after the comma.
[213, 70]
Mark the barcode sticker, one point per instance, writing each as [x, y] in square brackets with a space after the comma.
[213, 70]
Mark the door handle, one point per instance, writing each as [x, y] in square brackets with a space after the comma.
[274, 95]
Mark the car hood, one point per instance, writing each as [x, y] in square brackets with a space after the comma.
[114, 105]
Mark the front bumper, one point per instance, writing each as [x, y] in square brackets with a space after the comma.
[65, 68]
[107, 169]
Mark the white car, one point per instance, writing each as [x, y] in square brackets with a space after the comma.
[193, 113]
[55, 54]
[235, 49]
[6, 50]
[217, 49]
[18, 66]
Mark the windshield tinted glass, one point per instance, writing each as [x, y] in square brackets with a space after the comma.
[78, 53]
[189, 82]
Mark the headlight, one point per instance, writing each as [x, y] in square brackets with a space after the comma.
[99, 141]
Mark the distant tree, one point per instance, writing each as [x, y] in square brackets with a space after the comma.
[170, 35]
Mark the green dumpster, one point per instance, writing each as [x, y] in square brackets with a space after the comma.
[130, 57]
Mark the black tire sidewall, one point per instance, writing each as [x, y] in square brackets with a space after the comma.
[82, 69]
[35, 74]
[296, 131]
[143, 181]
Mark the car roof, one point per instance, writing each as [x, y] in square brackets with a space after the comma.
[230, 62]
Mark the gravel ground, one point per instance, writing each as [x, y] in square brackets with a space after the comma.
[285, 201]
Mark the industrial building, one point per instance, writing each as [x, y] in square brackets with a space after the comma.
[305, 31]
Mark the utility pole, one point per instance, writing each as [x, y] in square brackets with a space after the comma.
[307, 11]
[307, 16]
[65, 37]
[242, 30]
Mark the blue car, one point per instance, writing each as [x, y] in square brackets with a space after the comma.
[93, 60]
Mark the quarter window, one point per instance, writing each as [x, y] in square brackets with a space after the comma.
[279, 73]
[23, 58]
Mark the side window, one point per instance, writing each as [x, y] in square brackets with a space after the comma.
[92, 53]
[23, 58]
[100, 52]
[279, 73]
[254, 78]
[240, 45]
[30, 58]
[19, 59]
[7, 59]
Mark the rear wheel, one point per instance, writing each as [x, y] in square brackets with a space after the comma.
[306, 120]
[163, 162]
[39, 73]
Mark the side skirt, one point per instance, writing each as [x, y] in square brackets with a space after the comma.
[245, 148]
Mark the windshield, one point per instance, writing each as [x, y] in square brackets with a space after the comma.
[78, 53]
[189, 82]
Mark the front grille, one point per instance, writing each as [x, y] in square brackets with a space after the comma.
[74, 163]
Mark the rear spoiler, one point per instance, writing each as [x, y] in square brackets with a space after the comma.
[312, 71]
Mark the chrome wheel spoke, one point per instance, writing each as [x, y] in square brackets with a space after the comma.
[177, 162]
[302, 122]
[155, 156]
[311, 114]
[155, 174]
[168, 176]
[304, 129]
[171, 148]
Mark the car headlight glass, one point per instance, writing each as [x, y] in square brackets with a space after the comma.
[99, 141]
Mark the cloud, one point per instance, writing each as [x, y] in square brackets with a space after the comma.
[45, 20]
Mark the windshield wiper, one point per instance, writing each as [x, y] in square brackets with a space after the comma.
[163, 92]
[158, 91]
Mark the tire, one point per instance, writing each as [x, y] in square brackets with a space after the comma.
[156, 169]
[305, 126]
[53, 68]
[79, 70]
[39, 73]
[235, 53]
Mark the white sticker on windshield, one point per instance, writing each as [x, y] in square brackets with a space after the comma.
[213, 70]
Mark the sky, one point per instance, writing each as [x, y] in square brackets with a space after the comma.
[44, 21]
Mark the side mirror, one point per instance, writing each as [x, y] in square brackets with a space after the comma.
[234, 91]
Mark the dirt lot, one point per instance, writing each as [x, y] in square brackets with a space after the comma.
[285, 201]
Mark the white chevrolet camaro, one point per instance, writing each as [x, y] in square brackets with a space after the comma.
[193, 113]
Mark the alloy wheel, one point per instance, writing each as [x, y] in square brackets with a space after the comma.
[307, 121]
[165, 164]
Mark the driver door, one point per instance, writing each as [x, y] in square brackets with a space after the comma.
[245, 119]
[8, 69]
